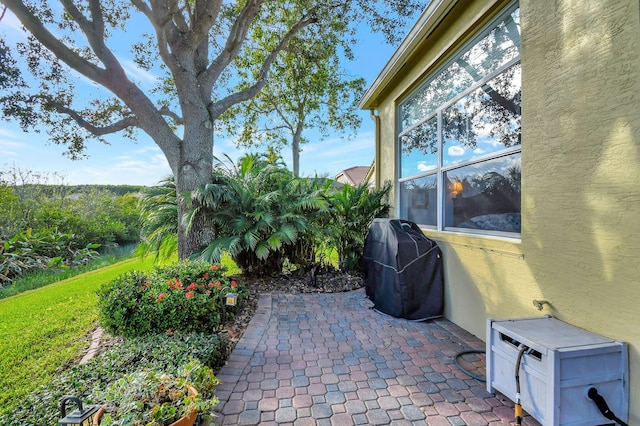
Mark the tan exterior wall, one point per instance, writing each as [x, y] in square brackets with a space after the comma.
[580, 174]
[581, 128]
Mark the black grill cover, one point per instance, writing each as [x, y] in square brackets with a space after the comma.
[403, 270]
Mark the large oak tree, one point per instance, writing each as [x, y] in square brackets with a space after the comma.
[193, 43]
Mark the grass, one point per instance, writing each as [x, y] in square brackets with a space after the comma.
[43, 330]
[39, 279]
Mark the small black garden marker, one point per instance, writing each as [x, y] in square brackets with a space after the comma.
[80, 415]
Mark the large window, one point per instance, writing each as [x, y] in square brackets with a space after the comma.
[459, 138]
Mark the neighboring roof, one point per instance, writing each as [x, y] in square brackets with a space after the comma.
[353, 175]
[427, 22]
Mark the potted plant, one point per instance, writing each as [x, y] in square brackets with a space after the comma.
[153, 398]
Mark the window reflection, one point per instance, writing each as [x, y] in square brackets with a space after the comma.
[494, 50]
[485, 195]
[485, 121]
[418, 200]
[420, 149]
[462, 128]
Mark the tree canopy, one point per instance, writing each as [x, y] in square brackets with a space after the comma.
[74, 76]
[307, 89]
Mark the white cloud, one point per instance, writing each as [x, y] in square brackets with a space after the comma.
[424, 167]
[136, 73]
[455, 151]
[9, 20]
[145, 165]
[9, 134]
[479, 151]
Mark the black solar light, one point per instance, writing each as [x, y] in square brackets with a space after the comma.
[80, 415]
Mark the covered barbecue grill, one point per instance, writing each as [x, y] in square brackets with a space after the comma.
[403, 270]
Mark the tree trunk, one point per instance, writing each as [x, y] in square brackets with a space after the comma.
[194, 170]
[295, 148]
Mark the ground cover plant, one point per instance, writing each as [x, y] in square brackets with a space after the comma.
[44, 329]
[96, 381]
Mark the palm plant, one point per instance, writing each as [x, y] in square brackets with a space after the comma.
[259, 210]
[159, 209]
[352, 210]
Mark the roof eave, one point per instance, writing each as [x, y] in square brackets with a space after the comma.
[426, 23]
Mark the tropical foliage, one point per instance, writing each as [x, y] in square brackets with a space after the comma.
[352, 210]
[159, 210]
[259, 210]
[27, 251]
[44, 225]
[265, 217]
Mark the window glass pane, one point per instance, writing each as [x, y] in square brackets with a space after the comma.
[485, 195]
[500, 45]
[485, 121]
[419, 200]
[419, 149]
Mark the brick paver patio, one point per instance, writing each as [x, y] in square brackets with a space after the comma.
[329, 359]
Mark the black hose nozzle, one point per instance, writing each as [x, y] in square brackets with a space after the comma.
[593, 394]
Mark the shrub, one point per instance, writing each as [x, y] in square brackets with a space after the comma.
[259, 210]
[161, 353]
[353, 208]
[183, 297]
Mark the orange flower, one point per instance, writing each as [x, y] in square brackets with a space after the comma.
[214, 267]
[160, 297]
[192, 286]
[205, 276]
[189, 295]
[234, 284]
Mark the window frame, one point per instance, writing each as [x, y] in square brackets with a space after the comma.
[441, 169]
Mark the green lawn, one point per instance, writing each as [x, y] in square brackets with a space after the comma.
[42, 330]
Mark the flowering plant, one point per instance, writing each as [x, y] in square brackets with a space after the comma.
[182, 297]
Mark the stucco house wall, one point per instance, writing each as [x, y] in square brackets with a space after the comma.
[580, 237]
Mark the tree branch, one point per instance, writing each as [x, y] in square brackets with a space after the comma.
[94, 32]
[49, 102]
[217, 108]
[505, 103]
[168, 113]
[234, 42]
[161, 25]
[203, 19]
[44, 36]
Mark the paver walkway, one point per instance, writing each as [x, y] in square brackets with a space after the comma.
[328, 359]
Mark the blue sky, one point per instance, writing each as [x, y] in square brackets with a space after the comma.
[141, 162]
